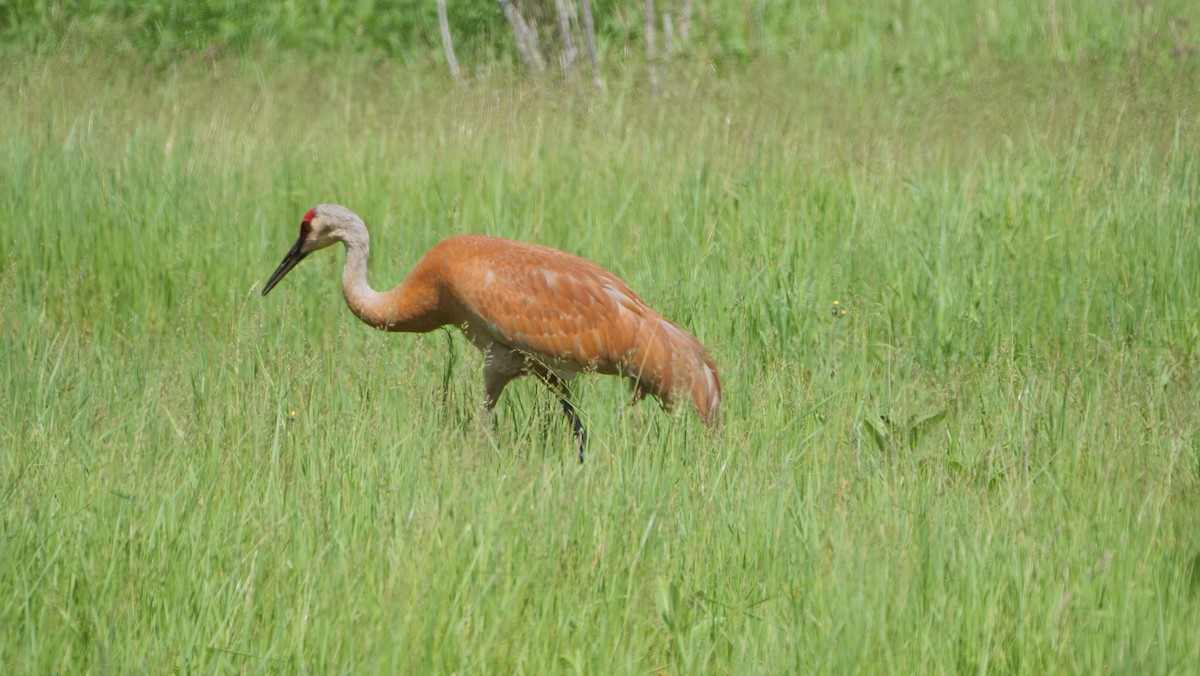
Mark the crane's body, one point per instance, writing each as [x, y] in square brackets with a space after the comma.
[530, 309]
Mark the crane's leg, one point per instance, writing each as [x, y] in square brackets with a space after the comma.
[639, 392]
[560, 388]
[494, 382]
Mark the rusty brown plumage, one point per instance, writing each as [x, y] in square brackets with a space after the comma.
[529, 308]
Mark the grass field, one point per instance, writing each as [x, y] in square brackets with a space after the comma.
[989, 463]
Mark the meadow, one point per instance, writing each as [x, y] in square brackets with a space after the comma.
[984, 458]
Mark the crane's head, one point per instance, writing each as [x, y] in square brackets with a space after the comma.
[322, 226]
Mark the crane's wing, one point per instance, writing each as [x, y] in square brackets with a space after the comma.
[551, 304]
[555, 306]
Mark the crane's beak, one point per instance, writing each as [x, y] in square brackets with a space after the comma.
[289, 261]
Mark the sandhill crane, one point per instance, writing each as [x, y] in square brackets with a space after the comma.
[529, 309]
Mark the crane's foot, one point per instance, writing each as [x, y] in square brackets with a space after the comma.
[487, 417]
[559, 386]
[576, 425]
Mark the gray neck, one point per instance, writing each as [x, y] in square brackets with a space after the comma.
[362, 299]
[413, 306]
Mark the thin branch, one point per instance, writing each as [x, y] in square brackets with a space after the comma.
[568, 42]
[526, 40]
[670, 44]
[589, 41]
[651, 57]
[447, 46]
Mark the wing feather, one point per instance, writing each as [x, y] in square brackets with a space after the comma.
[549, 303]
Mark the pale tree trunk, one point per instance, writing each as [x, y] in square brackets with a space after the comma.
[651, 52]
[567, 59]
[675, 36]
[447, 46]
[526, 40]
[589, 42]
[670, 44]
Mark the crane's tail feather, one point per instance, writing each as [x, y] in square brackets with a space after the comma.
[671, 364]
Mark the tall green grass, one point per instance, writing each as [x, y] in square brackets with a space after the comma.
[991, 462]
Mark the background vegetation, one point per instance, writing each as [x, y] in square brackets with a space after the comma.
[990, 462]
